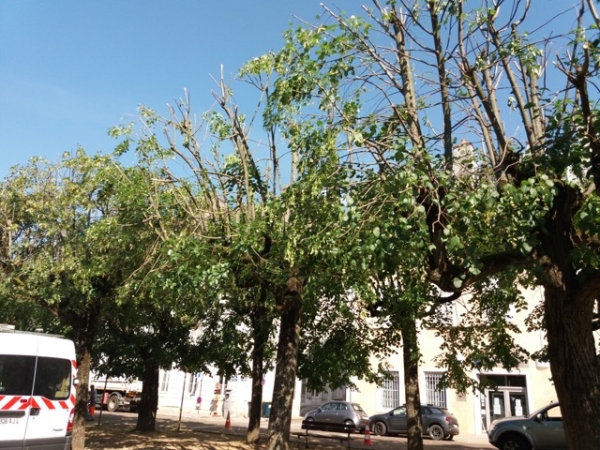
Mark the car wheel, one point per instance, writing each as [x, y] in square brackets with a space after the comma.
[113, 402]
[311, 425]
[379, 428]
[436, 432]
[514, 442]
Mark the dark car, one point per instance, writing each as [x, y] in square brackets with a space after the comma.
[341, 413]
[438, 422]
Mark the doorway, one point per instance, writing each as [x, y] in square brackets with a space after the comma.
[506, 402]
[507, 399]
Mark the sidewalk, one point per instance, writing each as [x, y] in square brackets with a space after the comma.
[201, 421]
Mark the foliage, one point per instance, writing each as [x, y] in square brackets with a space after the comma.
[452, 189]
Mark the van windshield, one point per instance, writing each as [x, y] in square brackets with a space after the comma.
[18, 376]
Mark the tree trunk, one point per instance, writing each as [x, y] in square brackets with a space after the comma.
[261, 335]
[574, 366]
[285, 377]
[411, 355]
[81, 402]
[146, 420]
[569, 312]
[254, 417]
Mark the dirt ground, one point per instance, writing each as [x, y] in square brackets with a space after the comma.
[116, 431]
[168, 438]
[104, 438]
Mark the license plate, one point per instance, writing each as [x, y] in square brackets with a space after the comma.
[8, 421]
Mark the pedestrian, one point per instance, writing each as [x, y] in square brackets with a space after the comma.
[92, 404]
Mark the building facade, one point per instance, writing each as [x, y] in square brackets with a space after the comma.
[519, 392]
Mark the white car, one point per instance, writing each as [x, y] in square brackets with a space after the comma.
[542, 430]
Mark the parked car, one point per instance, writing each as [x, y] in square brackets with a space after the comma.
[347, 413]
[541, 430]
[438, 422]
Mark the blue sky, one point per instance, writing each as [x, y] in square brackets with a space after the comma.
[71, 69]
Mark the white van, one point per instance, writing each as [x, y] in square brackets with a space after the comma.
[37, 390]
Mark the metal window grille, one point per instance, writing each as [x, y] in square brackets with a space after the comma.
[390, 395]
[435, 394]
[164, 383]
[448, 313]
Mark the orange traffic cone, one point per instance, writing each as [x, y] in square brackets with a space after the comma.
[367, 440]
[228, 422]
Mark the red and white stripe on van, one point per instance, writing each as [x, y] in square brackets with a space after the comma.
[16, 403]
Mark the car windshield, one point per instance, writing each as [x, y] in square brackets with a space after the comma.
[357, 407]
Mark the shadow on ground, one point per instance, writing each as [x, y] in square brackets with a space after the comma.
[116, 431]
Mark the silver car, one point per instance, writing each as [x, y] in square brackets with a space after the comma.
[542, 430]
[340, 413]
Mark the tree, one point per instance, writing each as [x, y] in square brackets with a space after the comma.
[272, 249]
[236, 337]
[157, 303]
[404, 87]
[225, 196]
[62, 254]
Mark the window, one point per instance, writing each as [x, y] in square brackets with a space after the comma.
[164, 381]
[192, 383]
[504, 380]
[390, 393]
[339, 394]
[401, 411]
[553, 414]
[16, 374]
[52, 376]
[447, 314]
[435, 394]
[308, 394]
[356, 407]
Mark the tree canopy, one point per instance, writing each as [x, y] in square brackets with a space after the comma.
[457, 116]
[395, 161]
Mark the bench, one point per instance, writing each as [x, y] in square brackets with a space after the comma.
[308, 425]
